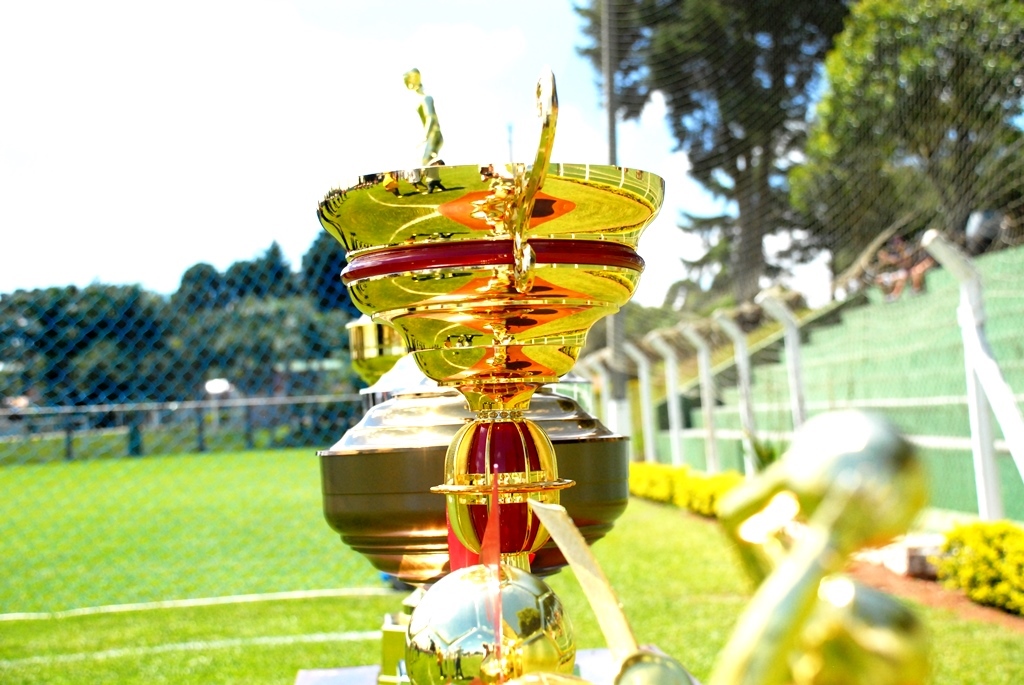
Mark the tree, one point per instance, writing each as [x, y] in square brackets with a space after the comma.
[274, 274]
[737, 76]
[202, 287]
[850, 202]
[255, 342]
[921, 119]
[321, 275]
[113, 344]
[84, 346]
[267, 276]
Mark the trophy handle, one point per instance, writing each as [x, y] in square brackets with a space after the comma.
[547, 109]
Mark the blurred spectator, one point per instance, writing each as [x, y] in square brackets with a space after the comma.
[899, 262]
[982, 229]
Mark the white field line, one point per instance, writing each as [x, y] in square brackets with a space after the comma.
[201, 602]
[402, 204]
[413, 222]
[195, 646]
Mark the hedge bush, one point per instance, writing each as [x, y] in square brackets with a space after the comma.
[680, 485]
[986, 561]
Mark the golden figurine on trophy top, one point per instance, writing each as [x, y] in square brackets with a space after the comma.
[432, 138]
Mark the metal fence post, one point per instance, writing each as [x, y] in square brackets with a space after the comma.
[592, 365]
[643, 372]
[987, 390]
[707, 395]
[742, 356]
[200, 429]
[675, 410]
[69, 438]
[249, 442]
[778, 310]
[135, 448]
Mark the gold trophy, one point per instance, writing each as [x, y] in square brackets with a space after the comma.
[493, 275]
[849, 481]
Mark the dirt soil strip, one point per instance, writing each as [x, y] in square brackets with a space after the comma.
[927, 592]
[931, 593]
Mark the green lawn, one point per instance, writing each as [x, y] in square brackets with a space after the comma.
[136, 530]
[264, 642]
[215, 525]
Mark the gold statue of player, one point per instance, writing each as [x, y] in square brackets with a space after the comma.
[848, 482]
[432, 138]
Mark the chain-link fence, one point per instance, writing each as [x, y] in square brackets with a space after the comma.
[157, 447]
[255, 357]
[834, 133]
[839, 133]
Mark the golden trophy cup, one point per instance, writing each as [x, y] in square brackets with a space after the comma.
[493, 275]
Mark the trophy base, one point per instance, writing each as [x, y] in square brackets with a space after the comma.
[377, 479]
[400, 526]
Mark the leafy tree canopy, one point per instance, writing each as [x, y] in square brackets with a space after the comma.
[738, 77]
[321, 275]
[113, 344]
[267, 276]
[251, 344]
[66, 341]
[921, 119]
[202, 287]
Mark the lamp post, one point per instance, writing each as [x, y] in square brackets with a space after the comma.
[217, 388]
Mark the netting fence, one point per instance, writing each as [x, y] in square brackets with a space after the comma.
[836, 133]
[839, 132]
[159, 447]
[252, 358]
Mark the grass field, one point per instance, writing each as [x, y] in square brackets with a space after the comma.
[199, 526]
[137, 530]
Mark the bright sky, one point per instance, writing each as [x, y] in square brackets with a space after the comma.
[140, 138]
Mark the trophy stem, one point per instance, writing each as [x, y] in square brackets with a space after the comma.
[488, 399]
[500, 454]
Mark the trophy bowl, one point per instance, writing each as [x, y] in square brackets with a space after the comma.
[443, 272]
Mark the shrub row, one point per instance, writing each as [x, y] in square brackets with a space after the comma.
[680, 485]
[986, 561]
